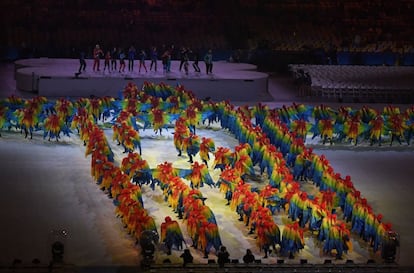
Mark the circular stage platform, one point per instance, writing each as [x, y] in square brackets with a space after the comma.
[57, 78]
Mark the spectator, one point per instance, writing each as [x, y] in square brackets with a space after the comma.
[248, 258]
[223, 256]
[187, 257]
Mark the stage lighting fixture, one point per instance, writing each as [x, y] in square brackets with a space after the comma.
[280, 261]
[327, 261]
[303, 261]
[235, 261]
[211, 261]
[370, 261]
[349, 262]
[258, 261]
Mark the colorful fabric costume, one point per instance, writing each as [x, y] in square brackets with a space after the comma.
[171, 235]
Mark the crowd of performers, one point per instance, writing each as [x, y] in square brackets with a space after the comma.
[271, 145]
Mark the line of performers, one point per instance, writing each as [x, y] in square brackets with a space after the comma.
[116, 55]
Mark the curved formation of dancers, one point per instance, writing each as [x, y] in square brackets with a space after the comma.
[271, 146]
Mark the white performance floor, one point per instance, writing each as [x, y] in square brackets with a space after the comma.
[47, 186]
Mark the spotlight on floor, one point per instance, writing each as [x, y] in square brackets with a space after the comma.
[211, 261]
[280, 261]
[370, 261]
[327, 261]
[235, 261]
[258, 261]
[303, 261]
[349, 261]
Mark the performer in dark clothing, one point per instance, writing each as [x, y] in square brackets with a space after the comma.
[82, 62]
[196, 58]
[114, 57]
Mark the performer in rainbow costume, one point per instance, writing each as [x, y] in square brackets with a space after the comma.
[292, 239]
[397, 126]
[4, 119]
[207, 146]
[228, 181]
[376, 129]
[159, 119]
[53, 126]
[198, 175]
[171, 235]
[353, 129]
[201, 224]
[271, 198]
[65, 109]
[301, 128]
[181, 132]
[222, 158]
[324, 128]
[338, 239]
[28, 118]
[192, 117]
[191, 145]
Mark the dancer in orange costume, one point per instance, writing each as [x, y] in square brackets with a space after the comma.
[171, 235]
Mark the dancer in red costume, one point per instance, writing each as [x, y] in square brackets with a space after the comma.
[97, 54]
